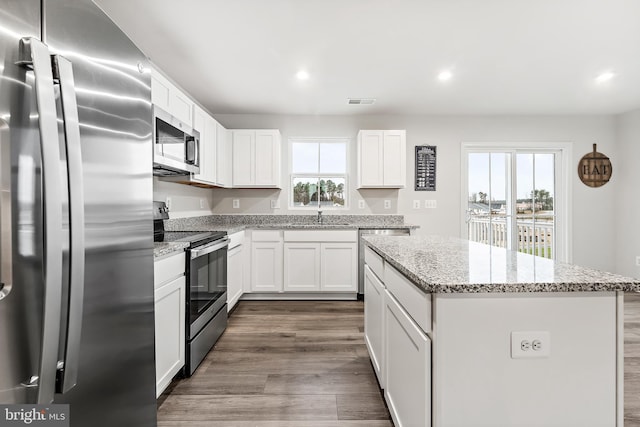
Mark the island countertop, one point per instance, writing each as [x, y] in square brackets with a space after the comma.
[451, 265]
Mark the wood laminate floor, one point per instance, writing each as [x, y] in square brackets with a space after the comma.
[282, 364]
[304, 364]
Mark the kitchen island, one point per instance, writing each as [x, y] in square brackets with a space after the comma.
[464, 334]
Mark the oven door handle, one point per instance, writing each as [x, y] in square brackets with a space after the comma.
[211, 247]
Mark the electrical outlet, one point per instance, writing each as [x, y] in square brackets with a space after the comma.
[202, 203]
[275, 204]
[236, 203]
[637, 260]
[387, 204]
[360, 204]
[430, 204]
[530, 344]
[168, 203]
[416, 204]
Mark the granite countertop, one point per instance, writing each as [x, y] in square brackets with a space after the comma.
[451, 265]
[233, 228]
[161, 249]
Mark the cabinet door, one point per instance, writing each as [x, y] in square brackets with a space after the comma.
[223, 160]
[339, 267]
[180, 106]
[266, 266]
[267, 158]
[211, 152]
[235, 276]
[394, 158]
[160, 90]
[374, 322]
[199, 124]
[407, 368]
[243, 143]
[302, 267]
[370, 160]
[170, 331]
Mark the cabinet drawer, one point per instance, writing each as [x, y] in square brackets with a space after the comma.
[374, 261]
[266, 236]
[236, 239]
[167, 269]
[320, 236]
[415, 302]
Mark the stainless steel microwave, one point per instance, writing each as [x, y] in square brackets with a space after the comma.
[176, 145]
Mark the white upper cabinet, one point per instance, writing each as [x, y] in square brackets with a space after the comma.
[382, 158]
[256, 158]
[223, 156]
[206, 125]
[167, 96]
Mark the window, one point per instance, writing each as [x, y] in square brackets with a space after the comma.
[318, 173]
[515, 198]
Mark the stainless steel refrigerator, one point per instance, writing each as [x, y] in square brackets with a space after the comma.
[76, 246]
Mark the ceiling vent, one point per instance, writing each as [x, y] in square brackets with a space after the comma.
[361, 101]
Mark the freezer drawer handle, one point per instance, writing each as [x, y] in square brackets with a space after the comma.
[68, 369]
[35, 55]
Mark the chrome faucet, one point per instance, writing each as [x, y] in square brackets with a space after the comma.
[319, 216]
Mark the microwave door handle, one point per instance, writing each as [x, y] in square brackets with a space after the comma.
[217, 245]
[68, 368]
[191, 150]
[35, 55]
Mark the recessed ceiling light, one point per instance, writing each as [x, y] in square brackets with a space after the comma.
[605, 77]
[302, 75]
[445, 75]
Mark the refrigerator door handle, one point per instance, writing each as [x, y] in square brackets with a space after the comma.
[63, 72]
[6, 249]
[35, 55]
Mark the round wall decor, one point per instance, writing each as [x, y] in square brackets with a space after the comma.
[595, 169]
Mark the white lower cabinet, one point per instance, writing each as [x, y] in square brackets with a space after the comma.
[266, 266]
[235, 275]
[169, 309]
[302, 267]
[374, 308]
[407, 368]
[339, 261]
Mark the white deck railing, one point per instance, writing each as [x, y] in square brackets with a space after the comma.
[533, 237]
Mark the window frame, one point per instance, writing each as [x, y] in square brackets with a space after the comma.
[292, 176]
[563, 250]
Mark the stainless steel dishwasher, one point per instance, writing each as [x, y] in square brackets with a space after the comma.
[377, 232]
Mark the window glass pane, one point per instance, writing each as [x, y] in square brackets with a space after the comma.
[332, 191]
[333, 157]
[544, 179]
[478, 207]
[304, 191]
[304, 157]
[498, 202]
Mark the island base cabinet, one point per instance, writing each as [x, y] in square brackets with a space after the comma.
[407, 368]
[374, 309]
[483, 378]
[170, 331]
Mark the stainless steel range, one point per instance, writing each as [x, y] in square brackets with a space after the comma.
[206, 272]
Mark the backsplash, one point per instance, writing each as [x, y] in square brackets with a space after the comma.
[177, 224]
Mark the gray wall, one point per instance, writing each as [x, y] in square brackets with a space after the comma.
[592, 219]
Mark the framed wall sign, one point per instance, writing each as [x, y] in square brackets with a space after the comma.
[595, 169]
[425, 168]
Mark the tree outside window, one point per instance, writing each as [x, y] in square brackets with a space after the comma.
[318, 173]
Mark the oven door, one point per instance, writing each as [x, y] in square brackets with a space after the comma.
[207, 283]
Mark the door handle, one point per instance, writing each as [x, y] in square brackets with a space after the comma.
[35, 55]
[68, 371]
[6, 249]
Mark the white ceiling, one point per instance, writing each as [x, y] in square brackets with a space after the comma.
[507, 56]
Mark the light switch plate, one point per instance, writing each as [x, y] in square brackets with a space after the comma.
[416, 204]
[275, 204]
[430, 204]
[168, 203]
[202, 203]
[236, 203]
